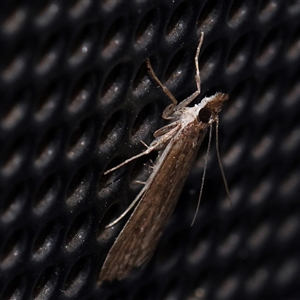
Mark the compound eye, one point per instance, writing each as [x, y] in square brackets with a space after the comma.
[204, 114]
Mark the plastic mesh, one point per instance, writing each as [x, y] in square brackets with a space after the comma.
[76, 99]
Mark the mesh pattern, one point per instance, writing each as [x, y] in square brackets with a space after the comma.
[76, 99]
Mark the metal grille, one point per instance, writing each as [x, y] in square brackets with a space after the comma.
[76, 99]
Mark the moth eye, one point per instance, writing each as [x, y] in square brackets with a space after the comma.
[204, 114]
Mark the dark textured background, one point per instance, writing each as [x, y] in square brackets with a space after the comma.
[76, 99]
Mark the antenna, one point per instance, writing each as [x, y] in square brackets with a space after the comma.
[205, 168]
[204, 174]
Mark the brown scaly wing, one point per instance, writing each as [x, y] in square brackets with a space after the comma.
[139, 237]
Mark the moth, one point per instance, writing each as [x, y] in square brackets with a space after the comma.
[177, 144]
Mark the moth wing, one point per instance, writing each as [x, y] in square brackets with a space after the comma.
[140, 235]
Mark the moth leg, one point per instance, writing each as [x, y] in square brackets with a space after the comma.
[197, 75]
[189, 99]
[150, 167]
[145, 144]
[166, 129]
[149, 149]
[152, 164]
[140, 182]
[164, 135]
[164, 88]
[128, 209]
[158, 144]
[169, 110]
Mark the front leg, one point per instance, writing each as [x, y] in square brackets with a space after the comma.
[169, 110]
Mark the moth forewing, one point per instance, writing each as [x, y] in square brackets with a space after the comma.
[139, 237]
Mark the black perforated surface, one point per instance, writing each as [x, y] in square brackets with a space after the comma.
[76, 99]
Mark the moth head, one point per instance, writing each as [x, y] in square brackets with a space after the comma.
[209, 113]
